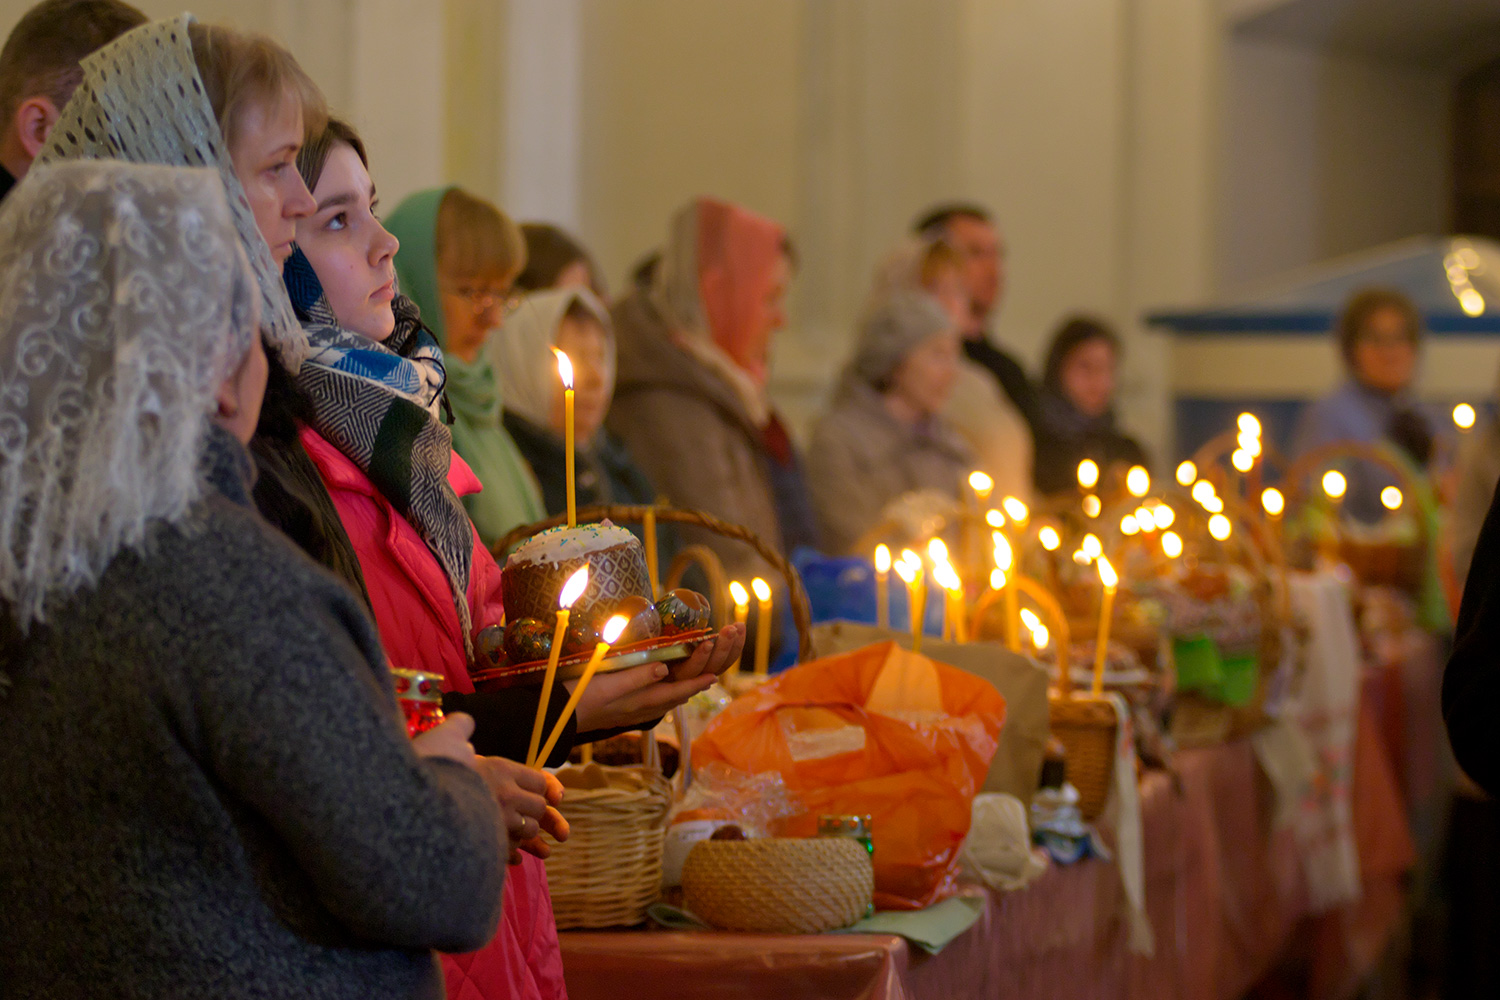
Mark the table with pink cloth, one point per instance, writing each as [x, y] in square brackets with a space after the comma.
[1224, 892]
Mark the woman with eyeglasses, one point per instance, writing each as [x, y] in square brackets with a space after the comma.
[459, 257]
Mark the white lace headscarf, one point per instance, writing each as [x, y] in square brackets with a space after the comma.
[142, 100]
[125, 301]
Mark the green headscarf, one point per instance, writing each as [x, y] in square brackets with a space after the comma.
[511, 496]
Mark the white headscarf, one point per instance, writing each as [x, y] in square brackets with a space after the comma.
[125, 301]
[141, 100]
[521, 350]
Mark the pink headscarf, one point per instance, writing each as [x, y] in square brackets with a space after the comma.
[737, 255]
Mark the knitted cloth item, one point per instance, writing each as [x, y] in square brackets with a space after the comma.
[142, 100]
[124, 302]
[378, 404]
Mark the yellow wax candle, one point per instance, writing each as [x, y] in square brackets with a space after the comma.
[588, 753]
[609, 633]
[741, 598]
[565, 371]
[1111, 580]
[762, 626]
[1005, 561]
[883, 586]
[920, 609]
[909, 569]
[571, 592]
[649, 524]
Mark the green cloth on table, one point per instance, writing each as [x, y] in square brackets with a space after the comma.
[931, 929]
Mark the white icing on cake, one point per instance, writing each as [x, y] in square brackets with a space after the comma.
[563, 543]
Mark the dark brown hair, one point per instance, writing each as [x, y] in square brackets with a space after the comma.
[41, 56]
[239, 69]
[1071, 335]
[313, 156]
[1367, 302]
[474, 239]
[551, 250]
[934, 221]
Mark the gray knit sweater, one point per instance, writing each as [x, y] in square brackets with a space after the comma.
[206, 789]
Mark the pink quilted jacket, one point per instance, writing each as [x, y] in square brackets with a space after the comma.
[419, 628]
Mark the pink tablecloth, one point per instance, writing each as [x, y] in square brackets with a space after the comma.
[1224, 894]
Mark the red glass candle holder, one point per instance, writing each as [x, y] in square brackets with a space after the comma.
[421, 698]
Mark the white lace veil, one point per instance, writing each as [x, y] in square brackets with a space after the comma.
[125, 300]
[141, 100]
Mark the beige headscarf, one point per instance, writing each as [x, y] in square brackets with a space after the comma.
[141, 100]
[125, 300]
[521, 350]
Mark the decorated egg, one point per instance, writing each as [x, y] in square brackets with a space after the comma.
[489, 646]
[682, 610]
[582, 634]
[644, 624]
[527, 640]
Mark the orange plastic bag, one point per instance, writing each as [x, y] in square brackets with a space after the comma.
[879, 731]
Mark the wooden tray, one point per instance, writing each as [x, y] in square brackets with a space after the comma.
[662, 649]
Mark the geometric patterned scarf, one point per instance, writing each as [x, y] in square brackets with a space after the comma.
[378, 404]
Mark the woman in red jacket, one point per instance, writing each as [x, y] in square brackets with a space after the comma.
[374, 380]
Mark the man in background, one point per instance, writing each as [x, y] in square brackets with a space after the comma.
[39, 71]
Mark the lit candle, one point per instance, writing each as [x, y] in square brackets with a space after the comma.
[1004, 561]
[953, 606]
[909, 568]
[1390, 498]
[883, 586]
[649, 523]
[565, 372]
[1272, 500]
[1334, 484]
[982, 486]
[1464, 417]
[1138, 481]
[762, 626]
[1088, 473]
[1111, 580]
[1171, 544]
[608, 634]
[741, 598]
[571, 592]
[1187, 473]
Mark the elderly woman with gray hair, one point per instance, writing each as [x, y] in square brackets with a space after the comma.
[883, 438]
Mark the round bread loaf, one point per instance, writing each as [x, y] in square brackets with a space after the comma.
[536, 571]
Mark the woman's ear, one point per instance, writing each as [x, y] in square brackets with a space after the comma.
[34, 120]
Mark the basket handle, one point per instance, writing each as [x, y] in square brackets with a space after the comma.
[713, 568]
[636, 513]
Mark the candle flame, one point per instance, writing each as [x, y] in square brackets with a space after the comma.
[1092, 505]
[1390, 497]
[1164, 516]
[994, 518]
[574, 588]
[1040, 637]
[1016, 510]
[1186, 473]
[1005, 556]
[613, 629]
[1171, 544]
[1334, 483]
[905, 572]
[911, 559]
[1250, 444]
[1092, 547]
[883, 558]
[762, 589]
[1029, 617]
[1144, 518]
[1107, 574]
[1214, 505]
[1203, 490]
[1242, 460]
[1049, 538]
[1272, 500]
[937, 551]
[564, 368]
[1219, 527]
[1138, 481]
[1249, 425]
[947, 578]
[1088, 473]
[1129, 525]
[739, 594]
[1463, 416]
[982, 484]
[997, 579]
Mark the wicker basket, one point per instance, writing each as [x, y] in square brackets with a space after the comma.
[608, 871]
[779, 885]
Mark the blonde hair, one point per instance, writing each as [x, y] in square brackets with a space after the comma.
[474, 239]
[240, 69]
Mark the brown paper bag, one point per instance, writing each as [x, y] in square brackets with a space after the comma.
[1017, 766]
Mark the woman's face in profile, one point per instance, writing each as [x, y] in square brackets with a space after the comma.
[1088, 377]
[264, 150]
[1385, 353]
